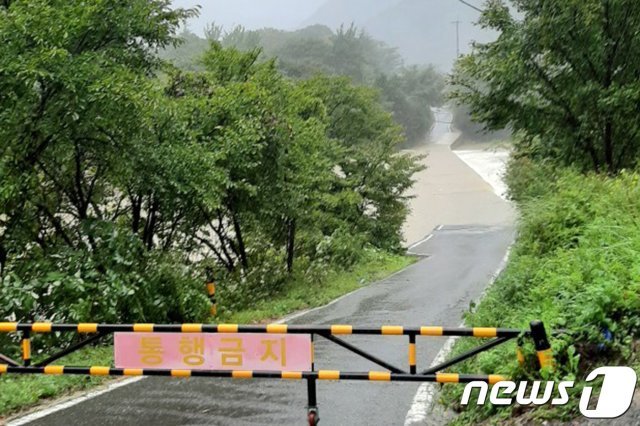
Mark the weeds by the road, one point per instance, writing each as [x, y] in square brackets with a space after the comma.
[576, 267]
[301, 294]
[19, 392]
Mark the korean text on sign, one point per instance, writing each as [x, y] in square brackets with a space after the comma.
[202, 351]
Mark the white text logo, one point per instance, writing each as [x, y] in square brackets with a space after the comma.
[615, 397]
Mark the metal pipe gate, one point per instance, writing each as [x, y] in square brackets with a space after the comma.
[393, 373]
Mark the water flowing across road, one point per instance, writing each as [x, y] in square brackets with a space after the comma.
[462, 230]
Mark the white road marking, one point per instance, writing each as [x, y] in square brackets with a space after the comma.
[333, 302]
[425, 396]
[70, 403]
[424, 240]
[419, 243]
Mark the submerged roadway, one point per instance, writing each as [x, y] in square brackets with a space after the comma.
[457, 261]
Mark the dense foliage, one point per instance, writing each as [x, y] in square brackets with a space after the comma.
[73, 119]
[565, 75]
[575, 266]
[407, 92]
[124, 179]
[472, 131]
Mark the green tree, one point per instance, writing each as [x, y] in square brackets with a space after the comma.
[240, 38]
[564, 75]
[68, 94]
[122, 178]
[187, 54]
[269, 142]
[407, 92]
[409, 95]
[73, 103]
[372, 178]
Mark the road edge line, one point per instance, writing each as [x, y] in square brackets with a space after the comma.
[333, 302]
[424, 398]
[419, 243]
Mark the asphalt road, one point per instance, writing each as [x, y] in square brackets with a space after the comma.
[459, 262]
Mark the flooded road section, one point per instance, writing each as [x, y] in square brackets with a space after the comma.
[458, 260]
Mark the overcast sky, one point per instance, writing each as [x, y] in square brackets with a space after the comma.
[282, 14]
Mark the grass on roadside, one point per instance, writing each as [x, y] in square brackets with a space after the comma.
[298, 295]
[576, 267]
[21, 392]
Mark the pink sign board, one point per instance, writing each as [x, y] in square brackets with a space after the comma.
[212, 351]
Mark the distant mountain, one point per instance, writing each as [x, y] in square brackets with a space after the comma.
[334, 13]
[423, 30]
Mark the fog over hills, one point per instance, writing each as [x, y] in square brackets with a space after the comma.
[334, 13]
[423, 30]
[251, 14]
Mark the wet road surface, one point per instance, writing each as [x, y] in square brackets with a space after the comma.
[458, 263]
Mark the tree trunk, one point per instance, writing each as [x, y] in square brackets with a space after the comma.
[150, 226]
[3, 260]
[242, 251]
[291, 240]
[136, 213]
[241, 247]
[608, 145]
[222, 237]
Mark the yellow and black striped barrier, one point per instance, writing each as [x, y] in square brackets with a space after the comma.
[435, 374]
[26, 348]
[542, 345]
[334, 330]
[327, 375]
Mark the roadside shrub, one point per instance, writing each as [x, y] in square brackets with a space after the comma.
[342, 247]
[267, 277]
[560, 218]
[527, 178]
[118, 282]
[575, 267]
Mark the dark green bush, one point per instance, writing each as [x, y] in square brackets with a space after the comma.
[119, 282]
[342, 247]
[529, 179]
[576, 267]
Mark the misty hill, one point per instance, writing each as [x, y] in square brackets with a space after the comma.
[408, 93]
[423, 30]
[334, 13]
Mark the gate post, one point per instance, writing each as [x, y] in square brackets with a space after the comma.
[519, 354]
[211, 291]
[412, 354]
[26, 348]
[542, 345]
[312, 403]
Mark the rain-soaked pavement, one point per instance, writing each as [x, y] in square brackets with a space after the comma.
[459, 262]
